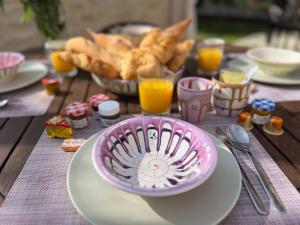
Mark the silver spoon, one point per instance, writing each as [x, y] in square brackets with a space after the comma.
[3, 102]
[248, 185]
[249, 75]
[239, 138]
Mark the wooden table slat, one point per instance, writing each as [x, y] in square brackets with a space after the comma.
[77, 90]
[10, 135]
[291, 117]
[21, 153]
[287, 167]
[2, 122]
[58, 100]
[287, 145]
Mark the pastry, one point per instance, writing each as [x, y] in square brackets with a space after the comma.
[139, 61]
[181, 53]
[114, 44]
[114, 56]
[93, 65]
[177, 31]
[163, 47]
[163, 43]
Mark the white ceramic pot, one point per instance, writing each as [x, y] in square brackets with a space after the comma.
[230, 99]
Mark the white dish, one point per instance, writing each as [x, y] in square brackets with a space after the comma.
[28, 73]
[275, 61]
[100, 203]
[244, 65]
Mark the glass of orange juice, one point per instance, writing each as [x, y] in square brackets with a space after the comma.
[61, 66]
[210, 54]
[156, 93]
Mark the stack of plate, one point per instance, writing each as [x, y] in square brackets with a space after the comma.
[276, 66]
[29, 72]
[134, 194]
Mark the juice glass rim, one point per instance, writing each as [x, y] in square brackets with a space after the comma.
[167, 75]
[213, 41]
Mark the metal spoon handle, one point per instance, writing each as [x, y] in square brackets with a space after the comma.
[250, 189]
[268, 186]
[253, 195]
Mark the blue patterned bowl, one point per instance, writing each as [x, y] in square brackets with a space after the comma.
[154, 156]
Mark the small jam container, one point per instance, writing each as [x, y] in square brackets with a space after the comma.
[274, 126]
[261, 110]
[77, 111]
[244, 120]
[109, 112]
[94, 101]
[52, 86]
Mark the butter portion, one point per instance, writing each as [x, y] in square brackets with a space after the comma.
[231, 77]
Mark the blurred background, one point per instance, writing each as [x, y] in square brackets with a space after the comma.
[249, 23]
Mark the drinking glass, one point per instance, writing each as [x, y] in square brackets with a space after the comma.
[210, 54]
[156, 92]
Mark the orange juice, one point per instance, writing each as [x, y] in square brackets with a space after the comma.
[155, 95]
[58, 64]
[209, 58]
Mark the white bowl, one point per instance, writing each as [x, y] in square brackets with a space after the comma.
[9, 64]
[275, 61]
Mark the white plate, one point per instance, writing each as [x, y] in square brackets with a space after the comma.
[101, 203]
[28, 73]
[244, 65]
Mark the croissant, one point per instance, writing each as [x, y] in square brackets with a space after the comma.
[163, 47]
[87, 63]
[181, 53]
[177, 31]
[86, 55]
[141, 62]
[114, 44]
[163, 43]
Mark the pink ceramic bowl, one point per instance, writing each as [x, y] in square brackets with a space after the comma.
[154, 156]
[9, 64]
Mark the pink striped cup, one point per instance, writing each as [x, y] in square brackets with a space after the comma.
[194, 96]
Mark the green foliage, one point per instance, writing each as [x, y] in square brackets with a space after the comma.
[229, 30]
[1, 4]
[46, 14]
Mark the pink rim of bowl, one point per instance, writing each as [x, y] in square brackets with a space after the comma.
[208, 84]
[12, 58]
[189, 184]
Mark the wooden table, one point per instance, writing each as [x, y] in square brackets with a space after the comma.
[18, 136]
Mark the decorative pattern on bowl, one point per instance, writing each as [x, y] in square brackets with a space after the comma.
[124, 87]
[154, 156]
[9, 64]
[230, 99]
